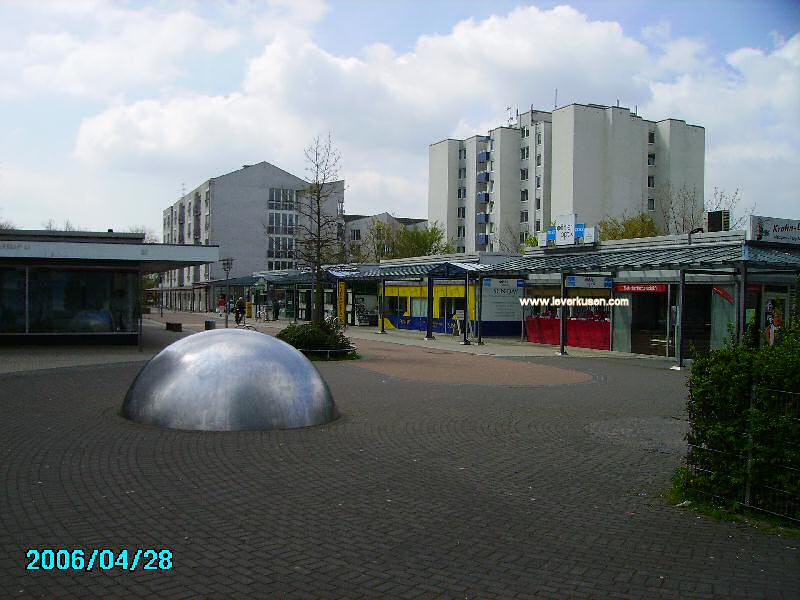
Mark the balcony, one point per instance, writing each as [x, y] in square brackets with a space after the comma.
[482, 218]
[482, 239]
[482, 197]
[483, 156]
[483, 176]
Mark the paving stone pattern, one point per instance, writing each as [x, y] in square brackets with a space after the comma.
[420, 490]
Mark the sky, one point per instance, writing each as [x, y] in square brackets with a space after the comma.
[109, 109]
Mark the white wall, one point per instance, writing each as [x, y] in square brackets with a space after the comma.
[443, 184]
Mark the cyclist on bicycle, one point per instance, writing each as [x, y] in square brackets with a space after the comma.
[239, 312]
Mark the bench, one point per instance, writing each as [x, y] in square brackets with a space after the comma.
[174, 326]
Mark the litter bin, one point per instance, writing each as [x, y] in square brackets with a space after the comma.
[211, 325]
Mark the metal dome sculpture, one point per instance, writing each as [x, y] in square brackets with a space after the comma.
[229, 380]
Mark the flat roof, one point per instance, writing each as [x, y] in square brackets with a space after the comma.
[95, 249]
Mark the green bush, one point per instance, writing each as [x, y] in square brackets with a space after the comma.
[736, 416]
[309, 336]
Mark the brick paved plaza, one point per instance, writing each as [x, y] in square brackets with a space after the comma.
[449, 475]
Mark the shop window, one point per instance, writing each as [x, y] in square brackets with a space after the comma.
[396, 305]
[449, 306]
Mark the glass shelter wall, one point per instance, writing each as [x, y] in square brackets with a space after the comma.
[62, 300]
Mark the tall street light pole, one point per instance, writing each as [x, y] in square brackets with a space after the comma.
[227, 263]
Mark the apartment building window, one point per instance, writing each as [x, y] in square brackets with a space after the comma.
[458, 193]
[538, 160]
[525, 131]
[523, 174]
[462, 173]
[522, 237]
[491, 165]
[462, 212]
[523, 216]
[459, 249]
[538, 204]
[461, 231]
[280, 199]
[651, 160]
[539, 139]
[462, 154]
[651, 204]
[538, 225]
[651, 181]
[651, 137]
[524, 152]
[355, 235]
[523, 195]
[538, 181]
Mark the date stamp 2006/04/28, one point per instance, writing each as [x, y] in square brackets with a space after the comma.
[46, 559]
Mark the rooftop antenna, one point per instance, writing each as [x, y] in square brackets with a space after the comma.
[617, 102]
[183, 189]
[555, 100]
[510, 118]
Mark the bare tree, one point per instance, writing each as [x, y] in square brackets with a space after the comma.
[51, 225]
[508, 241]
[681, 210]
[6, 224]
[319, 224]
[722, 200]
[150, 236]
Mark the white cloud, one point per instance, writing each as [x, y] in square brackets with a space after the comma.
[384, 108]
[750, 107]
[125, 50]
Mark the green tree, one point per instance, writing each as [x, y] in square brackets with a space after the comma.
[625, 228]
[420, 242]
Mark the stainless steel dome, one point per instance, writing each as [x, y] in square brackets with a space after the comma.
[229, 380]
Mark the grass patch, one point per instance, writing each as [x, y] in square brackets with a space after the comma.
[731, 512]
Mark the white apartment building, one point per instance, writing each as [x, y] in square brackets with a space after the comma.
[253, 214]
[492, 192]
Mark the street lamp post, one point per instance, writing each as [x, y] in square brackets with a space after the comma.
[227, 263]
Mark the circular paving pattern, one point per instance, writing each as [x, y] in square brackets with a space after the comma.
[421, 489]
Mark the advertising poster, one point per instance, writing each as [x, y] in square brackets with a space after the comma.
[501, 299]
[342, 302]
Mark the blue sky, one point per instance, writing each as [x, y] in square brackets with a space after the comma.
[108, 108]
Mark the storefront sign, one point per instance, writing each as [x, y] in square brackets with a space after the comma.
[501, 299]
[767, 229]
[578, 281]
[640, 287]
[341, 301]
[565, 229]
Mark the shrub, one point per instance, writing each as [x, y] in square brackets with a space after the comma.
[309, 336]
[744, 434]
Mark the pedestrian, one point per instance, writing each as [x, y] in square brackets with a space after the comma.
[239, 313]
[221, 305]
[276, 308]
